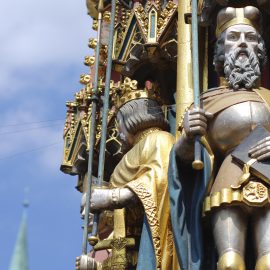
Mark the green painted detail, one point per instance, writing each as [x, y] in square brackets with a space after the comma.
[19, 260]
[153, 24]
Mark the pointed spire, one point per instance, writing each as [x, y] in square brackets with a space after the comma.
[19, 259]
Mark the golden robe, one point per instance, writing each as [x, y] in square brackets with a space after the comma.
[144, 170]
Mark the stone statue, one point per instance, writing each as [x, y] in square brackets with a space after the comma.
[228, 114]
[139, 182]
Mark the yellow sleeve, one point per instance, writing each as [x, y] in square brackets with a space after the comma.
[144, 170]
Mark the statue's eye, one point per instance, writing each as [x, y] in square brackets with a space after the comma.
[232, 37]
[251, 38]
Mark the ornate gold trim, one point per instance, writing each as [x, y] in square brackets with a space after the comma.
[150, 208]
[254, 194]
[142, 19]
[128, 91]
[166, 16]
[141, 135]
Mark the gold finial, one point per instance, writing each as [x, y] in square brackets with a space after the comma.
[92, 44]
[197, 165]
[93, 240]
[85, 79]
[95, 25]
[107, 16]
[89, 60]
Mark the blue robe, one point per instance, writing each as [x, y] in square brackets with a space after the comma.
[187, 190]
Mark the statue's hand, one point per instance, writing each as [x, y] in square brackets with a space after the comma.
[109, 199]
[101, 199]
[261, 150]
[195, 122]
[84, 262]
[82, 211]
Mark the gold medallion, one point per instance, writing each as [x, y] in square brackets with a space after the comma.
[255, 194]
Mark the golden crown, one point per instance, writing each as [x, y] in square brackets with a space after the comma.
[128, 91]
[230, 16]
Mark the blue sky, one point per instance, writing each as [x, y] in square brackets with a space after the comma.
[43, 44]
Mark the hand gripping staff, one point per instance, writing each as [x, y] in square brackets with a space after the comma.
[195, 253]
[197, 164]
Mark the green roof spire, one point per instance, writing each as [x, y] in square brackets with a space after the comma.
[19, 259]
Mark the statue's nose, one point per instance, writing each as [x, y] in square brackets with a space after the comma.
[242, 41]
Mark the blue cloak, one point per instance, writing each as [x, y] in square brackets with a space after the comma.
[187, 190]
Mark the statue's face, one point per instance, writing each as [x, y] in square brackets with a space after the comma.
[241, 63]
[241, 36]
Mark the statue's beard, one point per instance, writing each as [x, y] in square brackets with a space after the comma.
[242, 69]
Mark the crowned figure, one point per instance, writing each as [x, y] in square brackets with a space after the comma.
[139, 183]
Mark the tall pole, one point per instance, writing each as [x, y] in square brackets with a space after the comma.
[93, 238]
[197, 164]
[184, 90]
[106, 97]
[92, 129]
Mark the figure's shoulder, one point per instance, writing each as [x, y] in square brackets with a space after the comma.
[216, 91]
[156, 143]
[264, 89]
[161, 136]
[264, 93]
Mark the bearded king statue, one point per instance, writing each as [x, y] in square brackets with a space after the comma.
[234, 122]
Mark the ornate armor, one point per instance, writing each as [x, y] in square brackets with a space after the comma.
[238, 120]
[227, 116]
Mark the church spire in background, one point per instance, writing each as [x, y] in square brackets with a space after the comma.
[19, 259]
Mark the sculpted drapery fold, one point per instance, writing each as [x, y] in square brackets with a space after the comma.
[144, 170]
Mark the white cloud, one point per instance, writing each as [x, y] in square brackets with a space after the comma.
[40, 42]
[37, 34]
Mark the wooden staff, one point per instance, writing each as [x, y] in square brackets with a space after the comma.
[197, 164]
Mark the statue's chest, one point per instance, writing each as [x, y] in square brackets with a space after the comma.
[230, 126]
